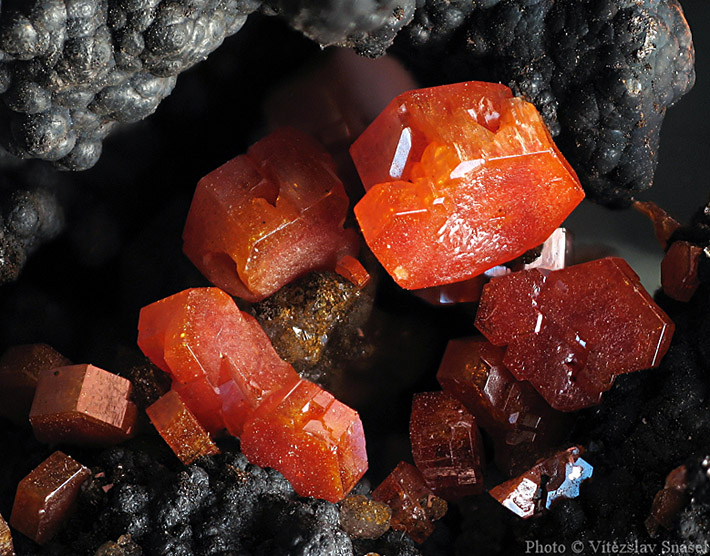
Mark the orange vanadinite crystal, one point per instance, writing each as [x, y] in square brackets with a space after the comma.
[460, 178]
[180, 428]
[44, 497]
[316, 441]
[82, 404]
[217, 356]
[351, 269]
[269, 216]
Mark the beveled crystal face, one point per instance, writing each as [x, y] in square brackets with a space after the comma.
[460, 178]
[571, 332]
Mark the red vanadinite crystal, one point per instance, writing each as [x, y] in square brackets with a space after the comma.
[446, 445]
[551, 479]
[460, 178]
[180, 428]
[669, 501]
[269, 216]
[316, 441]
[414, 506]
[523, 426]
[217, 356]
[82, 404]
[571, 331]
[679, 271]
[45, 497]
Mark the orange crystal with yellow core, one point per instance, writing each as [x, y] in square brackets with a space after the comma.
[460, 178]
[269, 216]
[316, 441]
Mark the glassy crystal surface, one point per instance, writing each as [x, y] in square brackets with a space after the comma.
[414, 506]
[522, 425]
[82, 404]
[269, 216]
[679, 270]
[570, 332]
[460, 178]
[362, 518]
[20, 367]
[180, 428]
[551, 479]
[316, 441]
[44, 498]
[446, 445]
[351, 269]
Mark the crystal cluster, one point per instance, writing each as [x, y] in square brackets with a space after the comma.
[522, 425]
[571, 331]
[269, 216]
[414, 506]
[459, 178]
[446, 445]
[82, 404]
[228, 375]
[553, 478]
[45, 497]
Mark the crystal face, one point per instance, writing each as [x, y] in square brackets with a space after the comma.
[180, 428]
[316, 441]
[523, 426]
[571, 331]
[82, 404]
[414, 506]
[553, 478]
[446, 445]
[269, 216]
[460, 178]
[45, 497]
[679, 270]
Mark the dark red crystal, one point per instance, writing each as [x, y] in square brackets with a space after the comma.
[679, 270]
[669, 501]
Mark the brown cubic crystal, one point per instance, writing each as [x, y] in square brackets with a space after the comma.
[668, 502]
[20, 367]
[446, 445]
[44, 497]
[82, 404]
[6, 546]
[362, 518]
[553, 478]
[180, 428]
[522, 424]
[414, 506]
[679, 270]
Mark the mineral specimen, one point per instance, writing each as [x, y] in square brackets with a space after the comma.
[446, 445]
[663, 223]
[44, 498]
[351, 269]
[414, 506]
[363, 518]
[6, 546]
[20, 367]
[460, 178]
[316, 441]
[269, 216]
[571, 331]
[82, 404]
[679, 270]
[556, 477]
[669, 501]
[523, 426]
[180, 429]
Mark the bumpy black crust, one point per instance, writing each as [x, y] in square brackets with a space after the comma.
[601, 73]
[72, 69]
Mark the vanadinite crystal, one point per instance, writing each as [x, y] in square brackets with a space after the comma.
[82, 404]
[44, 497]
[679, 270]
[446, 445]
[414, 506]
[316, 441]
[553, 478]
[460, 178]
[180, 428]
[20, 367]
[669, 501]
[571, 331]
[269, 216]
[523, 426]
